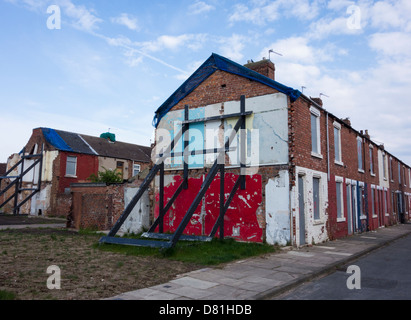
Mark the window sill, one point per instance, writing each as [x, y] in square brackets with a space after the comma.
[360, 170]
[70, 176]
[340, 163]
[341, 219]
[362, 217]
[317, 155]
[374, 216]
[318, 222]
[372, 174]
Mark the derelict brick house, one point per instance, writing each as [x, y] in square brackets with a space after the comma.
[71, 158]
[310, 176]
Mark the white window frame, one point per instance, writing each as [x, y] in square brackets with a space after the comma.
[319, 218]
[339, 161]
[372, 163]
[360, 154]
[373, 198]
[315, 112]
[404, 176]
[348, 199]
[387, 214]
[384, 166]
[340, 180]
[70, 174]
[134, 168]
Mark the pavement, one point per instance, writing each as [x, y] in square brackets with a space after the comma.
[263, 277]
[34, 226]
[25, 221]
[267, 276]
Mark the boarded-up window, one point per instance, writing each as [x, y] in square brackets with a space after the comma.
[361, 200]
[385, 201]
[120, 168]
[339, 192]
[316, 197]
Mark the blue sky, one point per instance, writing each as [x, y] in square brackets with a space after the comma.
[113, 63]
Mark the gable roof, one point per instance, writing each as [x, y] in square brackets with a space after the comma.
[212, 64]
[106, 148]
[79, 143]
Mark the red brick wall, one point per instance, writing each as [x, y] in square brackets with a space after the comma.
[97, 206]
[212, 90]
[86, 165]
[300, 155]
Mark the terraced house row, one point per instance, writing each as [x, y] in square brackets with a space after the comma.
[309, 176]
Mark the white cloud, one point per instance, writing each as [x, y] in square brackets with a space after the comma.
[391, 14]
[259, 15]
[328, 26]
[302, 9]
[33, 5]
[200, 7]
[262, 12]
[339, 4]
[298, 50]
[233, 46]
[82, 18]
[127, 20]
[174, 43]
[391, 43]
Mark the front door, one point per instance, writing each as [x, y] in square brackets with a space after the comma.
[349, 209]
[301, 205]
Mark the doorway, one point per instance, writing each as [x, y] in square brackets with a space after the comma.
[301, 206]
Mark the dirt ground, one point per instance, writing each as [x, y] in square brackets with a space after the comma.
[86, 272]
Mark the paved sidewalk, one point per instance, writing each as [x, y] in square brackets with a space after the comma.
[264, 277]
[34, 226]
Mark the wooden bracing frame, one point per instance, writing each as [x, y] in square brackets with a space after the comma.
[158, 168]
[17, 182]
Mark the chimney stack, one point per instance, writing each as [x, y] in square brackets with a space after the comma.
[317, 100]
[347, 121]
[264, 67]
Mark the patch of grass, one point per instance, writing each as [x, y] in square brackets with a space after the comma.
[204, 253]
[7, 295]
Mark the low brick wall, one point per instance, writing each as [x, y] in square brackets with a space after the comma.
[98, 206]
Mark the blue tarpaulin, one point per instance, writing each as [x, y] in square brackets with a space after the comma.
[55, 140]
[212, 64]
